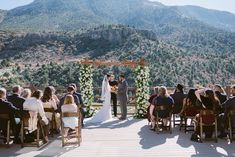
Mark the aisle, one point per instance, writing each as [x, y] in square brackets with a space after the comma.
[131, 138]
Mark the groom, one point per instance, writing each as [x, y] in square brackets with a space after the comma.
[122, 96]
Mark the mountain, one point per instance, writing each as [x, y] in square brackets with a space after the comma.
[168, 63]
[71, 15]
[218, 19]
[2, 15]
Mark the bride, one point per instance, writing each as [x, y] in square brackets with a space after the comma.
[104, 114]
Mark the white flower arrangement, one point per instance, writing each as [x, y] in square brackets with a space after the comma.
[86, 85]
[142, 90]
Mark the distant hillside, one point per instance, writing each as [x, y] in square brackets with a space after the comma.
[168, 63]
[2, 15]
[219, 19]
[70, 15]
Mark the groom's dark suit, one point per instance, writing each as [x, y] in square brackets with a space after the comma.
[123, 97]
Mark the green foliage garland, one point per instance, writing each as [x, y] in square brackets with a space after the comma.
[86, 85]
[142, 90]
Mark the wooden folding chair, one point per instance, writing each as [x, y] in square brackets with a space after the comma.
[175, 115]
[231, 115]
[159, 120]
[208, 118]
[53, 121]
[78, 135]
[24, 129]
[189, 114]
[6, 118]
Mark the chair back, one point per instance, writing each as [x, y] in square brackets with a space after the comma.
[70, 114]
[208, 117]
[191, 111]
[232, 112]
[51, 110]
[4, 116]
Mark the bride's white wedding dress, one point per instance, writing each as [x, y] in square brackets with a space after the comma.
[104, 114]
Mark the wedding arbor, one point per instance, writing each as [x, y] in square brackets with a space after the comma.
[141, 72]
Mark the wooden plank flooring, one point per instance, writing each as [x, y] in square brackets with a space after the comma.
[130, 138]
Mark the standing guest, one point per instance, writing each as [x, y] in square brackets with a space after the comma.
[163, 99]
[114, 87]
[9, 109]
[49, 102]
[15, 98]
[69, 106]
[178, 98]
[34, 104]
[79, 95]
[26, 93]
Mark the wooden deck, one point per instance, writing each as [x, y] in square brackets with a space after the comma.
[130, 138]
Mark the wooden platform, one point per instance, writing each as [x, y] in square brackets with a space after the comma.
[131, 138]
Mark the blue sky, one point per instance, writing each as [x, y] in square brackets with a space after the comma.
[226, 5]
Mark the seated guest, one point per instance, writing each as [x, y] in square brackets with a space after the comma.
[17, 101]
[190, 101]
[163, 99]
[227, 105]
[220, 93]
[15, 98]
[80, 100]
[7, 108]
[35, 105]
[69, 106]
[178, 98]
[150, 109]
[57, 101]
[209, 102]
[49, 102]
[26, 93]
[70, 91]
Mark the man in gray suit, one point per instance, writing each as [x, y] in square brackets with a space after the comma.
[122, 96]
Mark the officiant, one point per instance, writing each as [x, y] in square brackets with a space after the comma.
[114, 87]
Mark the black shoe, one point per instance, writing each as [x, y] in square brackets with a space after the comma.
[152, 129]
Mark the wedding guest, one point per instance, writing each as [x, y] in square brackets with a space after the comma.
[150, 109]
[190, 101]
[79, 95]
[9, 109]
[15, 98]
[54, 96]
[17, 101]
[208, 99]
[35, 105]
[69, 106]
[49, 102]
[220, 93]
[178, 97]
[210, 102]
[227, 105]
[26, 93]
[70, 91]
[163, 99]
